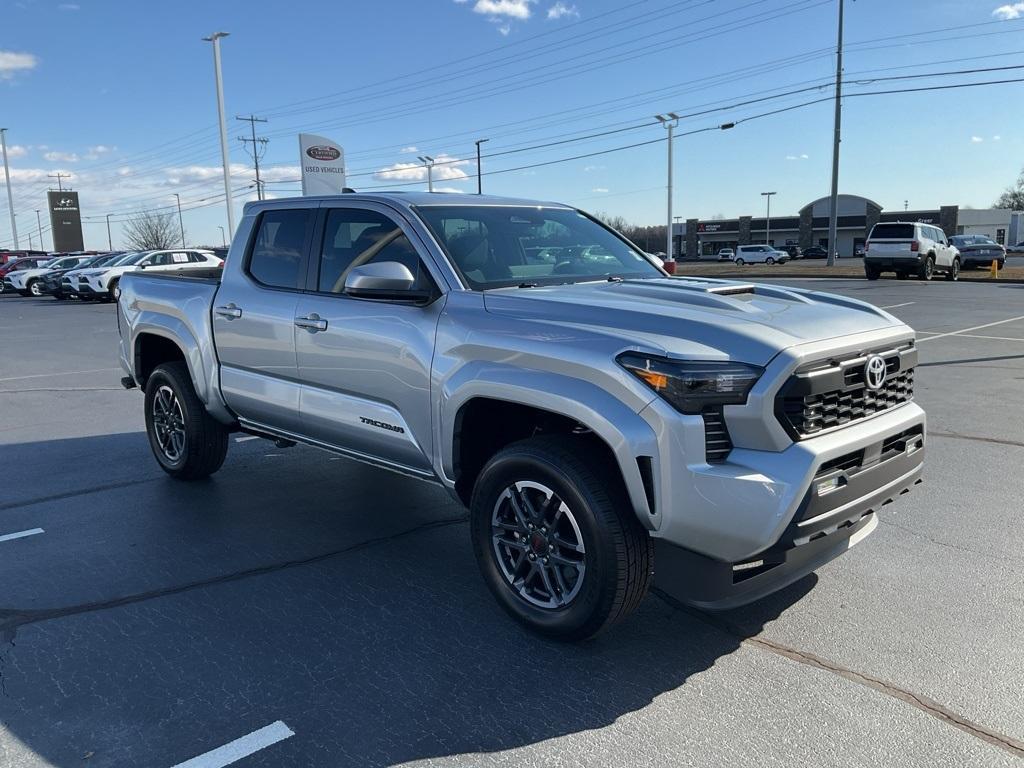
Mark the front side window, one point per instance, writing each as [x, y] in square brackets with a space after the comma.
[276, 257]
[354, 237]
[504, 246]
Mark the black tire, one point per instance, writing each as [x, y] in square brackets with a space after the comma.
[927, 270]
[872, 273]
[770, 260]
[739, 262]
[618, 558]
[205, 440]
[953, 273]
[109, 295]
[24, 293]
[34, 289]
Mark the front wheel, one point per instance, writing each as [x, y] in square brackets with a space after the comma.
[556, 538]
[187, 442]
[953, 273]
[740, 262]
[769, 260]
[35, 289]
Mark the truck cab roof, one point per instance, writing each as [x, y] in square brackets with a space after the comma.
[403, 200]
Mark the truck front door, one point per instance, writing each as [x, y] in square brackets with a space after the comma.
[365, 364]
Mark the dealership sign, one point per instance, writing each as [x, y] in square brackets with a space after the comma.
[323, 165]
[65, 221]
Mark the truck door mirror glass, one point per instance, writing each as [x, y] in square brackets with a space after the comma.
[383, 280]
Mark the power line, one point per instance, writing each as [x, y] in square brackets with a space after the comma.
[259, 147]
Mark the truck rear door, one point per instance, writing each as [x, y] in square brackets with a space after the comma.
[365, 363]
[254, 320]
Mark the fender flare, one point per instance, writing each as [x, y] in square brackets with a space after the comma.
[620, 427]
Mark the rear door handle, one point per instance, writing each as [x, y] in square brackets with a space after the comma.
[231, 312]
[311, 322]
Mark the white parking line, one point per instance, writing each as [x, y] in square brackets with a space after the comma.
[895, 306]
[60, 373]
[235, 750]
[21, 534]
[246, 438]
[968, 330]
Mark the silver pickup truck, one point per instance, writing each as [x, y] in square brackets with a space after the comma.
[605, 424]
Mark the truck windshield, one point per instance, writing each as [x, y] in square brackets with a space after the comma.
[503, 246]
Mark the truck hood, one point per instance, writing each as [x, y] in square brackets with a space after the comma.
[696, 318]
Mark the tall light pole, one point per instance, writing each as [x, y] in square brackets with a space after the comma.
[428, 161]
[181, 222]
[768, 217]
[10, 197]
[669, 122]
[215, 39]
[39, 224]
[479, 185]
[223, 237]
[110, 240]
[833, 214]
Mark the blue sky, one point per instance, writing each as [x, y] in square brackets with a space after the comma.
[120, 95]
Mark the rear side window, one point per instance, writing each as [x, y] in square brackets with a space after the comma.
[892, 232]
[276, 256]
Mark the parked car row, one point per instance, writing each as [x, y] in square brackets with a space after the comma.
[89, 277]
[913, 248]
[753, 254]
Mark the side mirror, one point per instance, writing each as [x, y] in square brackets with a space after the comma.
[142, 266]
[383, 280]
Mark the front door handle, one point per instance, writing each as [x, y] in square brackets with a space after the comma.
[311, 322]
[231, 312]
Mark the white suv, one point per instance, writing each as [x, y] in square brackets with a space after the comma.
[907, 248]
[759, 254]
[102, 283]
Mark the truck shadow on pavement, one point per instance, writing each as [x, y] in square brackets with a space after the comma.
[375, 641]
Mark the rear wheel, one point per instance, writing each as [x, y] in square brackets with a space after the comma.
[927, 270]
[556, 538]
[953, 273]
[872, 273]
[187, 442]
[740, 262]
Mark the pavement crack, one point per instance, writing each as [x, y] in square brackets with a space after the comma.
[923, 703]
[11, 619]
[976, 438]
[78, 492]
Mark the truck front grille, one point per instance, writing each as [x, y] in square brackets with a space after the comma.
[834, 393]
[717, 442]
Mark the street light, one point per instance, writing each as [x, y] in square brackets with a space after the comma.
[428, 161]
[223, 238]
[669, 121]
[215, 39]
[181, 222]
[479, 186]
[110, 241]
[768, 217]
[10, 197]
[39, 224]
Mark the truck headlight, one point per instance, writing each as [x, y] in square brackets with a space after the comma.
[690, 386]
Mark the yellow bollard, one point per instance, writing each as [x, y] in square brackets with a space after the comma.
[994, 269]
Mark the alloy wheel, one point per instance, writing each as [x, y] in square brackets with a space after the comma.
[169, 424]
[538, 545]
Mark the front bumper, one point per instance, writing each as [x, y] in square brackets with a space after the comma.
[838, 510]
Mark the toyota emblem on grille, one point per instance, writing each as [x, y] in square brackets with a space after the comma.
[874, 372]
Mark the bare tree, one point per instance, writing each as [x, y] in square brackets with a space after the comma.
[650, 238]
[1013, 196]
[150, 231]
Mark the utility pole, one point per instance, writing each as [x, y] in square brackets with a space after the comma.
[215, 39]
[428, 161]
[39, 223]
[110, 241]
[257, 145]
[10, 197]
[906, 204]
[31, 247]
[833, 214]
[181, 222]
[223, 237]
[669, 122]
[479, 185]
[58, 176]
[768, 217]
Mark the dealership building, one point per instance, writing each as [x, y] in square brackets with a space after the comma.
[856, 216]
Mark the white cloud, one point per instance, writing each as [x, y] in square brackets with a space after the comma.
[513, 9]
[69, 6]
[997, 137]
[61, 157]
[16, 150]
[446, 168]
[451, 190]
[12, 62]
[94, 153]
[976, 140]
[590, 168]
[599, 189]
[797, 157]
[504, 29]
[1009, 11]
[560, 9]
[412, 147]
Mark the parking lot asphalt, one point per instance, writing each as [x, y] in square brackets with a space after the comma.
[299, 609]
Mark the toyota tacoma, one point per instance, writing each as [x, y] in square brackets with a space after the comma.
[607, 426]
